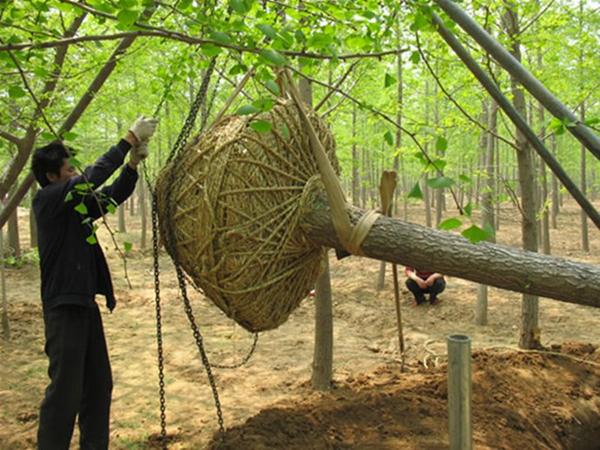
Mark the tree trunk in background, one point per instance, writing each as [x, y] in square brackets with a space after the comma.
[363, 178]
[426, 198]
[5, 322]
[498, 186]
[33, 237]
[554, 210]
[530, 331]
[143, 212]
[585, 240]
[322, 366]
[121, 209]
[487, 204]
[355, 174]
[439, 193]
[14, 242]
[545, 228]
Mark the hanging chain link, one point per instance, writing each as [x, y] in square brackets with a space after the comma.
[243, 361]
[159, 342]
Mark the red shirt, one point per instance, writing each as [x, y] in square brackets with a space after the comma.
[423, 274]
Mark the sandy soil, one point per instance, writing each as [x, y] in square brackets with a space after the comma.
[521, 400]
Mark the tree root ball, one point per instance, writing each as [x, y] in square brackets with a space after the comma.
[229, 208]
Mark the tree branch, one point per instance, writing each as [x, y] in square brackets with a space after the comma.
[10, 137]
[173, 35]
[337, 85]
[451, 98]
[388, 119]
[39, 107]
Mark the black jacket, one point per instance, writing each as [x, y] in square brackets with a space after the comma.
[73, 271]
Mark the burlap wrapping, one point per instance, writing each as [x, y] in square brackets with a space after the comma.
[229, 209]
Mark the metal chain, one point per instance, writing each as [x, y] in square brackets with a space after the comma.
[159, 342]
[200, 344]
[243, 361]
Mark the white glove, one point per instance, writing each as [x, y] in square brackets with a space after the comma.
[143, 128]
[139, 152]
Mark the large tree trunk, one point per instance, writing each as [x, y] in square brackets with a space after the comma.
[497, 265]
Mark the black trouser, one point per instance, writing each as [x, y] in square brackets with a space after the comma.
[438, 286]
[80, 379]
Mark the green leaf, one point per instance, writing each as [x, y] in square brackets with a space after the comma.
[220, 37]
[416, 192]
[273, 57]
[128, 246]
[84, 187]
[593, 121]
[267, 30]
[47, 136]
[300, 37]
[441, 144]
[238, 6]
[91, 239]
[262, 126]
[263, 103]
[75, 162]
[81, 209]
[465, 179]
[69, 196]
[16, 91]
[475, 234]
[210, 50]
[415, 57]
[69, 136]
[468, 209]
[440, 182]
[285, 132]
[127, 17]
[389, 80]
[450, 224]
[437, 165]
[111, 208]
[247, 109]
[389, 137]
[273, 87]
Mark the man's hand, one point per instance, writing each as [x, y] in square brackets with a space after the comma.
[137, 154]
[143, 128]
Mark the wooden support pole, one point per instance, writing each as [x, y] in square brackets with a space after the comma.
[459, 392]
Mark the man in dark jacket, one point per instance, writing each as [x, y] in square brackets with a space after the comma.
[73, 271]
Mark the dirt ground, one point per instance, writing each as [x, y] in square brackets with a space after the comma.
[524, 400]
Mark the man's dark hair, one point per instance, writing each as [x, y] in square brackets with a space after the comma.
[49, 158]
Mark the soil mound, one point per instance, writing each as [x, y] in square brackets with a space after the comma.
[524, 400]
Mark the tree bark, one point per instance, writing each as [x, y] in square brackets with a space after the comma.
[497, 265]
[585, 239]
[143, 212]
[513, 65]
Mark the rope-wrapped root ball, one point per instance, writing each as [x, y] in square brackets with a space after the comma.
[229, 209]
